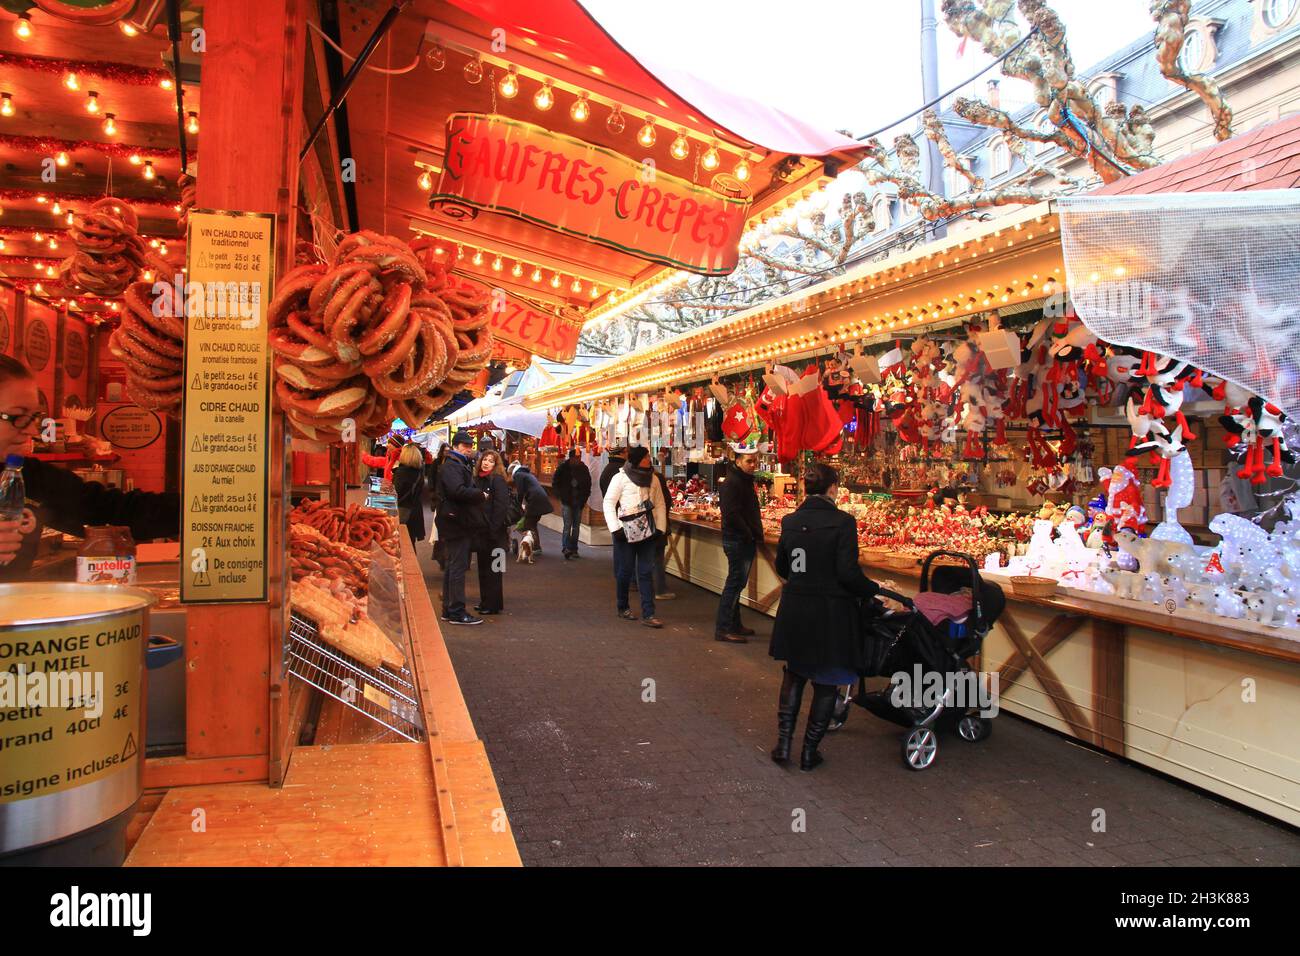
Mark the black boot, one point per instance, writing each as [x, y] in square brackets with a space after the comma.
[787, 714]
[819, 718]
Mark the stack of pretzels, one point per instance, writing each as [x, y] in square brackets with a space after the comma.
[110, 253]
[152, 347]
[382, 331]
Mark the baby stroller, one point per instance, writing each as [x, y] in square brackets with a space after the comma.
[906, 645]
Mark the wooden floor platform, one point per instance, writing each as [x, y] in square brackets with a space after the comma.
[346, 805]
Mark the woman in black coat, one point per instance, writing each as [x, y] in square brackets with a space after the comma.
[492, 545]
[408, 483]
[818, 630]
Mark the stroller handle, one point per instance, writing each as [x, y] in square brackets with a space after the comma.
[894, 596]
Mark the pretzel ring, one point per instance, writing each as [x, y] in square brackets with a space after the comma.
[339, 402]
[395, 308]
[299, 281]
[283, 342]
[320, 379]
[132, 325]
[167, 325]
[474, 352]
[310, 334]
[124, 348]
[118, 209]
[156, 401]
[325, 287]
[386, 361]
[358, 309]
[140, 371]
[361, 282]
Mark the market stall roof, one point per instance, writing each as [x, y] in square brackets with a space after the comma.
[1013, 259]
[1267, 157]
[396, 123]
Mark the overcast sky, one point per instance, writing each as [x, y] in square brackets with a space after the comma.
[841, 64]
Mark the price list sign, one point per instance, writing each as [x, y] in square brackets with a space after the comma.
[225, 292]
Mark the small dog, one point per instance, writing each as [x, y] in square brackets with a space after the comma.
[526, 545]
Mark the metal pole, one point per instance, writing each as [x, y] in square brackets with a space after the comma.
[929, 92]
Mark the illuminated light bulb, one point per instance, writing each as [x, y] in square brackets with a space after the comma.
[555, 281]
[23, 26]
[1094, 277]
[2, 244]
[176, 208]
[166, 83]
[536, 276]
[509, 84]
[436, 57]
[92, 102]
[135, 159]
[710, 158]
[71, 82]
[162, 249]
[38, 288]
[741, 172]
[113, 306]
[1120, 270]
[153, 243]
[191, 122]
[147, 275]
[49, 271]
[424, 180]
[38, 237]
[474, 71]
[576, 287]
[517, 270]
[148, 169]
[478, 258]
[646, 135]
[128, 29]
[616, 121]
[54, 243]
[594, 292]
[581, 108]
[6, 104]
[544, 98]
[110, 124]
[497, 264]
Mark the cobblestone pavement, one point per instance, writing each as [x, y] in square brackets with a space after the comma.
[592, 774]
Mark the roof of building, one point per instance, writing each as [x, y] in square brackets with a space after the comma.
[1267, 157]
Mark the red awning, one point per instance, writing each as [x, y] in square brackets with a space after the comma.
[566, 27]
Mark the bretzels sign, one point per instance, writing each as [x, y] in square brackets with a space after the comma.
[501, 165]
[517, 323]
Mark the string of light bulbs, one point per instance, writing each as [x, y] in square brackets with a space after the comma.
[536, 273]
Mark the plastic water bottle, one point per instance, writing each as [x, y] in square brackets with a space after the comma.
[13, 493]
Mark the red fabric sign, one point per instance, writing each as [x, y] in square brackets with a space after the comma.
[517, 323]
[562, 183]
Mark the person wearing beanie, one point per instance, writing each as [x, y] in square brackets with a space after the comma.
[534, 502]
[572, 485]
[461, 519]
[632, 492]
[742, 531]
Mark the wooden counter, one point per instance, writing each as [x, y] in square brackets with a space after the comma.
[1213, 704]
[355, 803]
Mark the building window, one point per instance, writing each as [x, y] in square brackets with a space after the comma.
[1276, 14]
[880, 213]
[999, 157]
[1193, 52]
[1200, 45]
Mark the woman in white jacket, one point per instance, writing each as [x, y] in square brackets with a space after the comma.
[630, 491]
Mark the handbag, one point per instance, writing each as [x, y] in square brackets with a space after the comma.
[640, 525]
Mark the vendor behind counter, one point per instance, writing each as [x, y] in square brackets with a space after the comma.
[61, 499]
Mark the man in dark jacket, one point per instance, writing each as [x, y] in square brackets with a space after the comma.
[742, 530]
[533, 501]
[460, 518]
[818, 625]
[617, 459]
[572, 485]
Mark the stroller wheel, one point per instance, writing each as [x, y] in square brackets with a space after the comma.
[841, 712]
[920, 747]
[974, 728]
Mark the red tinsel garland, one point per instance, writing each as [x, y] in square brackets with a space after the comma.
[13, 194]
[105, 69]
[31, 260]
[59, 228]
[49, 146]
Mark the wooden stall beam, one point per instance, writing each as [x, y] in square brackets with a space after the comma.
[1108, 673]
[1053, 687]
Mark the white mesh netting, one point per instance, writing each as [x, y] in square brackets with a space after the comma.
[1208, 278]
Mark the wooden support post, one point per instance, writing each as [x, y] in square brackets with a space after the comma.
[1056, 631]
[1108, 641]
[252, 128]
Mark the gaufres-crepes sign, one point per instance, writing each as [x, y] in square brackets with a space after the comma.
[502, 165]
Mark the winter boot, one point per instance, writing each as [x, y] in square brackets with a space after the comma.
[819, 718]
[787, 714]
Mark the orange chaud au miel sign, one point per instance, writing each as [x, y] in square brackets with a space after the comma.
[519, 169]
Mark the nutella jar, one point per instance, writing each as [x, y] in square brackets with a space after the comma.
[107, 556]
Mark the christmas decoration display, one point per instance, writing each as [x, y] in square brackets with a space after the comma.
[381, 332]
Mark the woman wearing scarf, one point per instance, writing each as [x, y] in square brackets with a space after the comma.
[633, 491]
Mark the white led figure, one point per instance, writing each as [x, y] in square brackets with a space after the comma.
[1182, 479]
[1246, 549]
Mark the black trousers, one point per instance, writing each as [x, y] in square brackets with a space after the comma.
[456, 553]
[490, 552]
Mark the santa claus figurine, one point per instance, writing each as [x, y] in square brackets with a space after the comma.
[1123, 500]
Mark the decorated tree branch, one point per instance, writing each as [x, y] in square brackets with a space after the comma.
[1171, 27]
